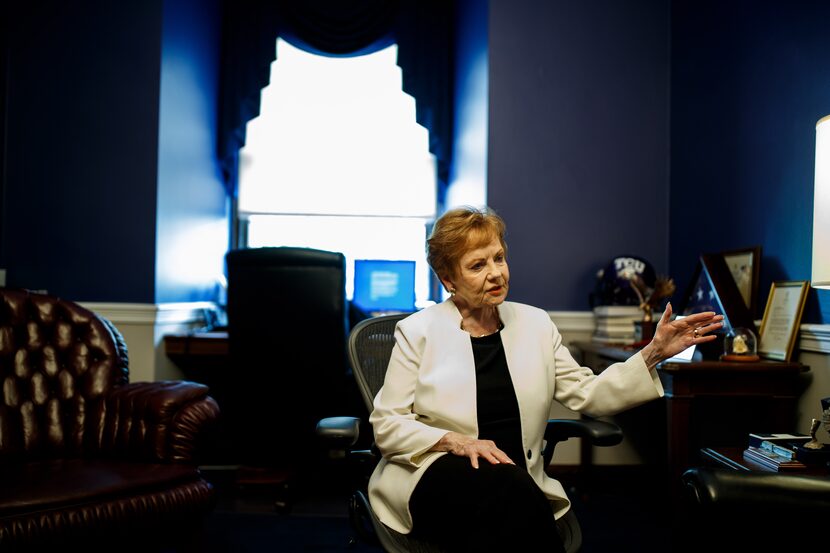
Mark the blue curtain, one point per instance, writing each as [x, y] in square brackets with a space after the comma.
[421, 28]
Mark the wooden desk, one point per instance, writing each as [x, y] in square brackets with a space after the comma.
[195, 346]
[203, 357]
[714, 403]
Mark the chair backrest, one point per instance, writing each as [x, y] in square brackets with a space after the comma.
[287, 332]
[370, 347]
[58, 361]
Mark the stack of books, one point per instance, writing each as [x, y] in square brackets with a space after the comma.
[615, 324]
[777, 452]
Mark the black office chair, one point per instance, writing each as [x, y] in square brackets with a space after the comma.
[370, 347]
[287, 332]
[765, 511]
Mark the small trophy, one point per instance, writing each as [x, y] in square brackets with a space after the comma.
[740, 344]
[815, 452]
[814, 443]
[650, 299]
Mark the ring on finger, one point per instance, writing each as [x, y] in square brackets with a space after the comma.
[697, 332]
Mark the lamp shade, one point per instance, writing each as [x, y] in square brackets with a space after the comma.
[821, 207]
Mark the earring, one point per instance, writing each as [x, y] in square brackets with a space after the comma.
[452, 291]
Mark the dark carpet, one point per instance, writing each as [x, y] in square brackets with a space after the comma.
[276, 513]
[618, 512]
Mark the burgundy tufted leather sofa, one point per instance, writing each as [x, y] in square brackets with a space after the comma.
[86, 456]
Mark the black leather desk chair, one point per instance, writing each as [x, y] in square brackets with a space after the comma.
[287, 331]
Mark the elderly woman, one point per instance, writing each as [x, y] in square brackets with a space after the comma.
[462, 412]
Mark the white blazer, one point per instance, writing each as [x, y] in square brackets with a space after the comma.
[430, 389]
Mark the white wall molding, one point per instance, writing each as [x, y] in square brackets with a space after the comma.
[150, 313]
[815, 338]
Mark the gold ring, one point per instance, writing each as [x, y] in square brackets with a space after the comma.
[697, 334]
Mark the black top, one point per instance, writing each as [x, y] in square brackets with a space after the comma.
[498, 409]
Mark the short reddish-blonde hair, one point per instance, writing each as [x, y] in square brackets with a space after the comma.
[458, 231]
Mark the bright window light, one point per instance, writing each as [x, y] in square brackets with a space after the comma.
[336, 161]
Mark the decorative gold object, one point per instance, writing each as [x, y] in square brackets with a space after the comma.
[650, 298]
[740, 344]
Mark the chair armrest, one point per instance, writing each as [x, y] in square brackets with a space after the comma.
[599, 433]
[729, 489]
[163, 421]
[339, 432]
[731, 508]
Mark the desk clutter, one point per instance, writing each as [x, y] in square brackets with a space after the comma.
[786, 452]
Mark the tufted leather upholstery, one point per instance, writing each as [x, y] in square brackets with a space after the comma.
[83, 451]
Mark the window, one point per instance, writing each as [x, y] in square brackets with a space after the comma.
[337, 162]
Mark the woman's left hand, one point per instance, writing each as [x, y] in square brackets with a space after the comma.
[672, 337]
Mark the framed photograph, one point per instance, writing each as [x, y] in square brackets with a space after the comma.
[745, 267]
[713, 288]
[782, 317]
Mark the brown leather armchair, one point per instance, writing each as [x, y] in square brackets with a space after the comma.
[86, 456]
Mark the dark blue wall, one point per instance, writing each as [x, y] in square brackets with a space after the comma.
[578, 163]
[109, 171]
[749, 81]
[191, 216]
[111, 185]
[468, 174]
[80, 187]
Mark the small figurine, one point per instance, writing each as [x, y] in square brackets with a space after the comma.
[650, 298]
[813, 443]
[814, 452]
[739, 345]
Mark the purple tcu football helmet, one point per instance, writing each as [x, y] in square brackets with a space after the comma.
[614, 281]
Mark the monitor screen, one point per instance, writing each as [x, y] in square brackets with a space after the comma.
[383, 285]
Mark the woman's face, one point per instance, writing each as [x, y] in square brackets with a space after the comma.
[482, 276]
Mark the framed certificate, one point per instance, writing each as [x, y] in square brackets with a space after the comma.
[782, 317]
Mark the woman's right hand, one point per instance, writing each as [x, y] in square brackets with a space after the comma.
[464, 446]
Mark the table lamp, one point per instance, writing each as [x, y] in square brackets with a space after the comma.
[821, 207]
[816, 452]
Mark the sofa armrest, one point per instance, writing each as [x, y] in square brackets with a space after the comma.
[159, 421]
[730, 490]
[727, 510]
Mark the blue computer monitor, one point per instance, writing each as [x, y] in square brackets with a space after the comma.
[384, 285]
